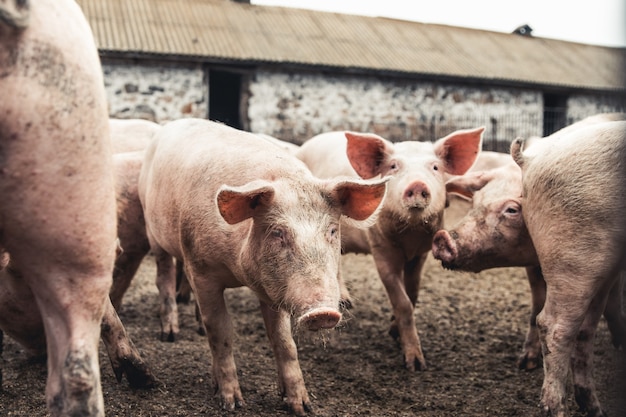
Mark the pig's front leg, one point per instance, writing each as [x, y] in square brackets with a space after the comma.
[531, 355]
[166, 283]
[390, 265]
[219, 330]
[290, 379]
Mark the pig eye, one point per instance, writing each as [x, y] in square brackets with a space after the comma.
[277, 233]
[512, 209]
[436, 167]
[333, 232]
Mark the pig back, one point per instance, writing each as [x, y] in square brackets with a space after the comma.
[189, 160]
[574, 186]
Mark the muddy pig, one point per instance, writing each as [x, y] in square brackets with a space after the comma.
[57, 211]
[412, 211]
[573, 198]
[240, 213]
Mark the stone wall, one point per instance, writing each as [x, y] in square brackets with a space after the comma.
[296, 106]
[155, 91]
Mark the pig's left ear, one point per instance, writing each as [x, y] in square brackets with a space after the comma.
[237, 204]
[458, 150]
[360, 200]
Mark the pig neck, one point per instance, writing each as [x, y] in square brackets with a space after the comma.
[412, 238]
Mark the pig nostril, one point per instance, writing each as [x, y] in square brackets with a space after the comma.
[425, 194]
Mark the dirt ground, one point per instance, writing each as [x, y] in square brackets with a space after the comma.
[471, 326]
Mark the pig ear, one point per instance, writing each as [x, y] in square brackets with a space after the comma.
[459, 150]
[366, 152]
[466, 185]
[360, 200]
[237, 204]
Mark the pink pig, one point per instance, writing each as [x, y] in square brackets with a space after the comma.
[493, 234]
[412, 211]
[240, 213]
[57, 213]
[573, 197]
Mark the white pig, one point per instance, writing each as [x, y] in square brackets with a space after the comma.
[412, 211]
[57, 211]
[573, 198]
[240, 213]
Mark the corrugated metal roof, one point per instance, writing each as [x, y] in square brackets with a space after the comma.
[237, 32]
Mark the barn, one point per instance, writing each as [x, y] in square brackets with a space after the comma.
[294, 73]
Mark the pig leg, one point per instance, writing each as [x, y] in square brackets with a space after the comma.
[531, 355]
[614, 316]
[166, 283]
[125, 358]
[559, 324]
[390, 266]
[183, 289]
[126, 266]
[290, 379]
[582, 360]
[219, 331]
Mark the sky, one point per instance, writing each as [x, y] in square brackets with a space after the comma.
[595, 22]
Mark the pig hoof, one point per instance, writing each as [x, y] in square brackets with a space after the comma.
[320, 318]
[528, 363]
[183, 298]
[139, 376]
[168, 337]
[201, 330]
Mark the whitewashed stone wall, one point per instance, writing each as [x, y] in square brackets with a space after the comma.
[155, 92]
[580, 106]
[297, 106]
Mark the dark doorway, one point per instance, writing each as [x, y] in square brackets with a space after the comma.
[224, 97]
[554, 113]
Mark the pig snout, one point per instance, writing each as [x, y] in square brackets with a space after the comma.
[444, 248]
[417, 195]
[320, 318]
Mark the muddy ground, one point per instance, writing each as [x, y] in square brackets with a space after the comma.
[472, 327]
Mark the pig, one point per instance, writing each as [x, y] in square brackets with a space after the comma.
[573, 197]
[412, 212]
[131, 226]
[493, 234]
[238, 213]
[21, 319]
[57, 212]
[129, 135]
